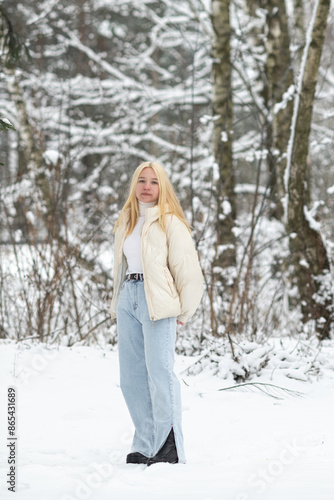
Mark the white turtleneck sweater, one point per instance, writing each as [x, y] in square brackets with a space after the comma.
[132, 244]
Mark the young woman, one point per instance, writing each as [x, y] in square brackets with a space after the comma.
[157, 284]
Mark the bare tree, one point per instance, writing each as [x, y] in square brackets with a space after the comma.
[308, 252]
[225, 261]
[280, 96]
[298, 27]
[278, 90]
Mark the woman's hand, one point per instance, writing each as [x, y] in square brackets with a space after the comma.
[179, 323]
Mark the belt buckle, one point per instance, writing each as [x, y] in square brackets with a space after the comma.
[136, 276]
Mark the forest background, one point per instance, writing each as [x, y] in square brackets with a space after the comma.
[235, 98]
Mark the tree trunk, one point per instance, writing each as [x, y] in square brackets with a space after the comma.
[225, 261]
[32, 155]
[280, 89]
[299, 27]
[10, 48]
[277, 92]
[308, 252]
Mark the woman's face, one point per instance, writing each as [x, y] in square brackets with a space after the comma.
[147, 189]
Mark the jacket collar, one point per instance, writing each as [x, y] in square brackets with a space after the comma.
[152, 214]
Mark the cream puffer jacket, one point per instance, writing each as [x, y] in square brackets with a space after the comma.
[173, 278]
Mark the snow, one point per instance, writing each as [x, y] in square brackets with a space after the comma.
[74, 432]
[226, 207]
[287, 96]
[249, 189]
[51, 157]
[5, 120]
[309, 215]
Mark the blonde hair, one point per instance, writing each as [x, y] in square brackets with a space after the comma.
[167, 202]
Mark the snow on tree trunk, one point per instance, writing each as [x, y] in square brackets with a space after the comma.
[309, 257]
[224, 265]
[32, 154]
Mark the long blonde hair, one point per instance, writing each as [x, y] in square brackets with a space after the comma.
[167, 202]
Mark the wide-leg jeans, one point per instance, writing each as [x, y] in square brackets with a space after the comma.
[149, 385]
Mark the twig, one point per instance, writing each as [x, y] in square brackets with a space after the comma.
[266, 388]
[204, 355]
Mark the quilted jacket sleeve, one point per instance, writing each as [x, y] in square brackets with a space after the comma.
[184, 267]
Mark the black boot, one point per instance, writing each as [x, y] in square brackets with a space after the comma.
[167, 453]
[136, 458]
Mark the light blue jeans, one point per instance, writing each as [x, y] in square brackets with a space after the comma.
[149, 385]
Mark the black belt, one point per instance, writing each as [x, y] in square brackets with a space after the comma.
[135, 277]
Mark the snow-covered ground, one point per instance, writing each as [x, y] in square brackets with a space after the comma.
[74, 432]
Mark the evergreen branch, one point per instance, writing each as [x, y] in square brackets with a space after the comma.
[6, 125]
[11, 45]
